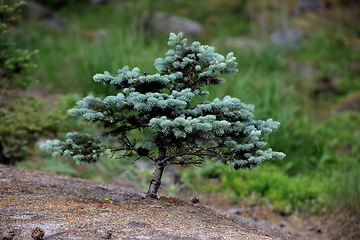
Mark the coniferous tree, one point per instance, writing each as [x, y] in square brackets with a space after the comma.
[178, 128]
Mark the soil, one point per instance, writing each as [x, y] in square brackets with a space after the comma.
[69, 208]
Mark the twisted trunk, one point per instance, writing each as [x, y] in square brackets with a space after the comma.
[156, 181]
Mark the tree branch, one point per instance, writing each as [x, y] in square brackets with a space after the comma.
[199, 153]
[132, 148]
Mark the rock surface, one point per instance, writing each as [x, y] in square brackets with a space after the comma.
[307, 5]
[163, 22]
[286, 38]
[44, 15]
[61, 207]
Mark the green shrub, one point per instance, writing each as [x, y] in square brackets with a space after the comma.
[286, 194]
[23, 119]
[14, 62]
[26, 120]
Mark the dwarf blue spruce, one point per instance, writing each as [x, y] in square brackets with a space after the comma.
[180, 128]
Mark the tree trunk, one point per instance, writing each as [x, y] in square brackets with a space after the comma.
[156, 181]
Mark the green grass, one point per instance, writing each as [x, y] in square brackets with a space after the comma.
[75, 61]
[301, 193]
[319, 152]
[332, 57]
[348, 195]
[69, 58]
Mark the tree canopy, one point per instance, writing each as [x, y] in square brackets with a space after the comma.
[177, 127]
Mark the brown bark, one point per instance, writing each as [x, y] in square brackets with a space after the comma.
[156, 181]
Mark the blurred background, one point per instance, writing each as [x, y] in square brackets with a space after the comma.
[299, 63]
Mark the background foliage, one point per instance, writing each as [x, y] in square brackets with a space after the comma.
[297, 87]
